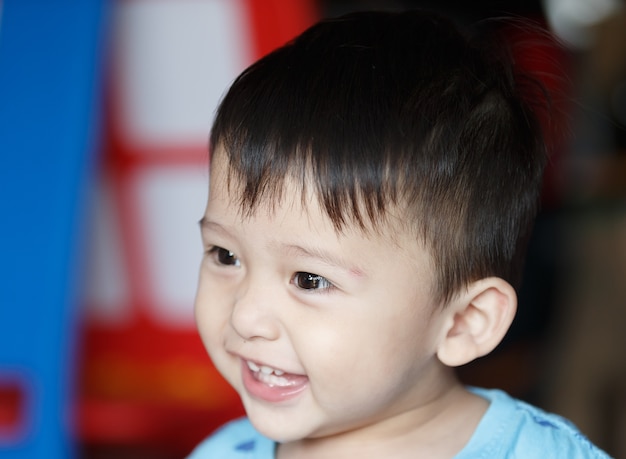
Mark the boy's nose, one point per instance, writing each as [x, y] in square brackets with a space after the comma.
[252, 315]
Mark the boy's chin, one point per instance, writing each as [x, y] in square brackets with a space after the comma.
[283, 424]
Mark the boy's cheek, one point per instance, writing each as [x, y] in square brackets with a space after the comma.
[210, 328]
[207, 312]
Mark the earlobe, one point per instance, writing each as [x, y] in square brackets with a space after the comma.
[478, 320]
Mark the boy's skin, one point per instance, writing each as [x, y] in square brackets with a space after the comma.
[352, 319]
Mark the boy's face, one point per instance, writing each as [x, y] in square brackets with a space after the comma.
[320, 332]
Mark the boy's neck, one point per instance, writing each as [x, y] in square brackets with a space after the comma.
[439, 429]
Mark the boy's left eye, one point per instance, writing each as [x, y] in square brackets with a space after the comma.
[224, 256]
[310, 281]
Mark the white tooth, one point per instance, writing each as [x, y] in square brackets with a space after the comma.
[279, 372]
[253, 366]
[276, 381]
[282, 382]
[266, 370]
[272, 380]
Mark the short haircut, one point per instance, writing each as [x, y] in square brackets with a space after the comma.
[381, 109]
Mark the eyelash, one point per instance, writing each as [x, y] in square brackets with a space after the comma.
[302, 280]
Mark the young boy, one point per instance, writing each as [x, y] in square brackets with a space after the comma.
[373, 185]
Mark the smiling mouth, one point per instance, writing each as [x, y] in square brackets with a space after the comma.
[270, 376]
[271, 385]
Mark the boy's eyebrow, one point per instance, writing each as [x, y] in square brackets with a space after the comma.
[323, 255]
[206, 223]
[203, 222]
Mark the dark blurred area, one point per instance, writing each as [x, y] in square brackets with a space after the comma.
[103, 137]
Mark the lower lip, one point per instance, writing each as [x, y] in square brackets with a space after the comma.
[273, 394]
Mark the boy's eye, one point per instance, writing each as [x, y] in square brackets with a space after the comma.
[310, 281]
[224, 256]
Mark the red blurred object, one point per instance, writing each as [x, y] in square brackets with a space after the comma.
[12, 410]
[549, 62]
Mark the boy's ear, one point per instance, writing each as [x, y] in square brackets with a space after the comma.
[477, 321]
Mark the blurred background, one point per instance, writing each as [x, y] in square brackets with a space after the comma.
[105, 109]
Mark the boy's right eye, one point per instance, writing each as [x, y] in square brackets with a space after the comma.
[224, 256]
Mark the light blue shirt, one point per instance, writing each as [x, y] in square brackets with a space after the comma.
[509, 429]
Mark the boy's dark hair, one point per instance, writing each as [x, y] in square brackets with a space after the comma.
[383, 109]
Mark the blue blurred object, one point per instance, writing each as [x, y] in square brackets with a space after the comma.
[50, 84]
